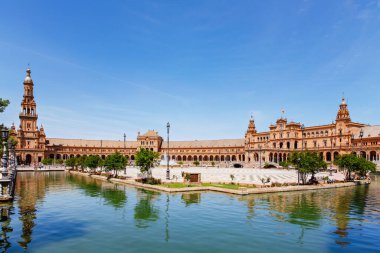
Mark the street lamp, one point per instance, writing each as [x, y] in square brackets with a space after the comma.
[302, 130]
[12, 162]
[168, 157]
[361, 140]
[298, 172]
[4, 136]
[125, 168]
[331, 153]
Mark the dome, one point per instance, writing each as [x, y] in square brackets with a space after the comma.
[28, 78]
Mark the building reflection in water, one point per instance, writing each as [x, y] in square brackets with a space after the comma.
[308, 209]
[30, 188]
[5, 219]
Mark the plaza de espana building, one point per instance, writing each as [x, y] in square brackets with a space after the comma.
[275, 145]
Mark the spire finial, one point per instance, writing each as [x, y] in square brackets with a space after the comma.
[28, 70]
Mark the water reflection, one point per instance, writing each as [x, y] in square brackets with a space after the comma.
[111, 193]
[5, 219]
[191, 198]
[145, 210]
[338, 216]
[31, 188]
[308, 209]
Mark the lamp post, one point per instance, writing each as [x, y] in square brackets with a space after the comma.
[125, 168]
[298, 172]
[11, 163]
[168, 157]
[361, 141]
[331, 154]
[4, 136]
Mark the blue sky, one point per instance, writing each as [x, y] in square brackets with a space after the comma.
[102, 68]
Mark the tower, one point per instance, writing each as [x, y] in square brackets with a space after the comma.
[31, 141]
[249, 139]
[343, 113]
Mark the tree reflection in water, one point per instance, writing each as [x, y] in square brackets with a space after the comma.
[307, 209]
[110, 192]
[300, 212]
[145, 211]
[348, 202]
[191, 198]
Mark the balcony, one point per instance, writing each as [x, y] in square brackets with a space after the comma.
[28, 115]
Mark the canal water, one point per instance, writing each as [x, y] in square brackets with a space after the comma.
[58, 212]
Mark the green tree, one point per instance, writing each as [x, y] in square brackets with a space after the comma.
[101, 163]
[71, 162]
[115, 162]
[92, 162]
[3, 104]
[364, 167]
[196, 163]
[47, 161]
[146, 159]
[81, 162]
[284, 164]
[307, 163]
[347, 163]
[351, 163]
[13, 141]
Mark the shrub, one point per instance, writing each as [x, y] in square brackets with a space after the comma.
[152, 180]
[196, 163]
[148, 180]
[47, 161]
[276, 184]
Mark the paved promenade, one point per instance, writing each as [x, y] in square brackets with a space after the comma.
[213, 174]
[241, 175]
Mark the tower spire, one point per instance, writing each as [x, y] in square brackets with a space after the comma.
[343, 113]
[251, 126]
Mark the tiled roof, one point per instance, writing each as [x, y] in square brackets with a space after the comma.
[205, 143]
[368, 131]
[92, 143]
